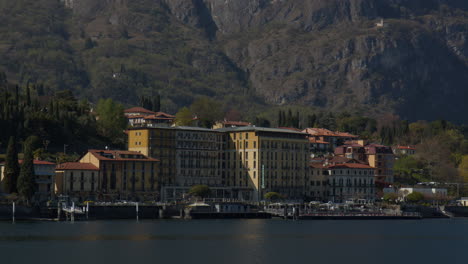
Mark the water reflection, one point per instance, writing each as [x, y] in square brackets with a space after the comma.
[238, 241]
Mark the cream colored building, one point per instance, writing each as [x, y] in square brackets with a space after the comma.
[110, 175]
[351, 181]
[261, 160]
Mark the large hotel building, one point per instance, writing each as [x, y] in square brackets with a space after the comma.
[239, 162]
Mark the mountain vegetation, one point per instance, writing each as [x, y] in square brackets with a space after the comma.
[249, 55]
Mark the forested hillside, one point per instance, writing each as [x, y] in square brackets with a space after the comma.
[247, 54]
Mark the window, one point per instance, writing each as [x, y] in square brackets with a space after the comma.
[82, 182]
[92, 181]
[255, 144]
[71, 181]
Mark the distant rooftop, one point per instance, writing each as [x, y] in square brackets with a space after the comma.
[139, 110]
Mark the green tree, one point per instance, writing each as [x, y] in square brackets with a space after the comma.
[201, 191]
[184, 117]
[112, 121]
[463, 168]
[156, 103]
[207, 110]
[273, 196]
[26, 181]
[12, 168]
[415, 197]
[390, 197]
[408, 170]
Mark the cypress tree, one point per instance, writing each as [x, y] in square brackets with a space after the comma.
[290, 121]
[280, 118]
[157, 103]
[28, 95]
[12, 169]
[26, 182]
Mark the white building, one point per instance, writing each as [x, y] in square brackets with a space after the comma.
[351, 181]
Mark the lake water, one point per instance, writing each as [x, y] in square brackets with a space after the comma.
[236, 241]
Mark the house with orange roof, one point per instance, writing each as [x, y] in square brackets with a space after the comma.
[227, 124]
[351, 182]
[404, 150]
[139, 116]
[323, 141]
[109, 175]
[378, 156]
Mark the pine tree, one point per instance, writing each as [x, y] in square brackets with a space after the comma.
[12, 169]
[26, 181]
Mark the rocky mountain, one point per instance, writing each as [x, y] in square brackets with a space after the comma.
[408, 57]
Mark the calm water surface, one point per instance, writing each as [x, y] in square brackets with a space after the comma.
[236, 241]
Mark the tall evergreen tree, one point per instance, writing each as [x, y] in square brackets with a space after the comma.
[12, 168]
[26, 181]
[280, 118]
[157, 103]
[28, 95]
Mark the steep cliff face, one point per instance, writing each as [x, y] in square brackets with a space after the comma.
[332, 54]
[329, 54]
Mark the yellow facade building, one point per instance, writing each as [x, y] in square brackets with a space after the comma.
[266, 160]
[239, 162]
[189, 156]
[110, 175]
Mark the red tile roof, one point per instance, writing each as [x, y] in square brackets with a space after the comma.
[406, 147]
[139, 110]
[76, 166]
[236, 123]
[316, 165]
[314, 140]
[38, 162]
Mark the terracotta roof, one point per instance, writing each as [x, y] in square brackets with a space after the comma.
[120, 155]
[345, 134]
[38, 162]
[76, 166]
[406, 147]
[236, 123]
[317, 165]
[339, 160]
[314, 140]
[160, 116]
[351, 166]
[139, 110]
